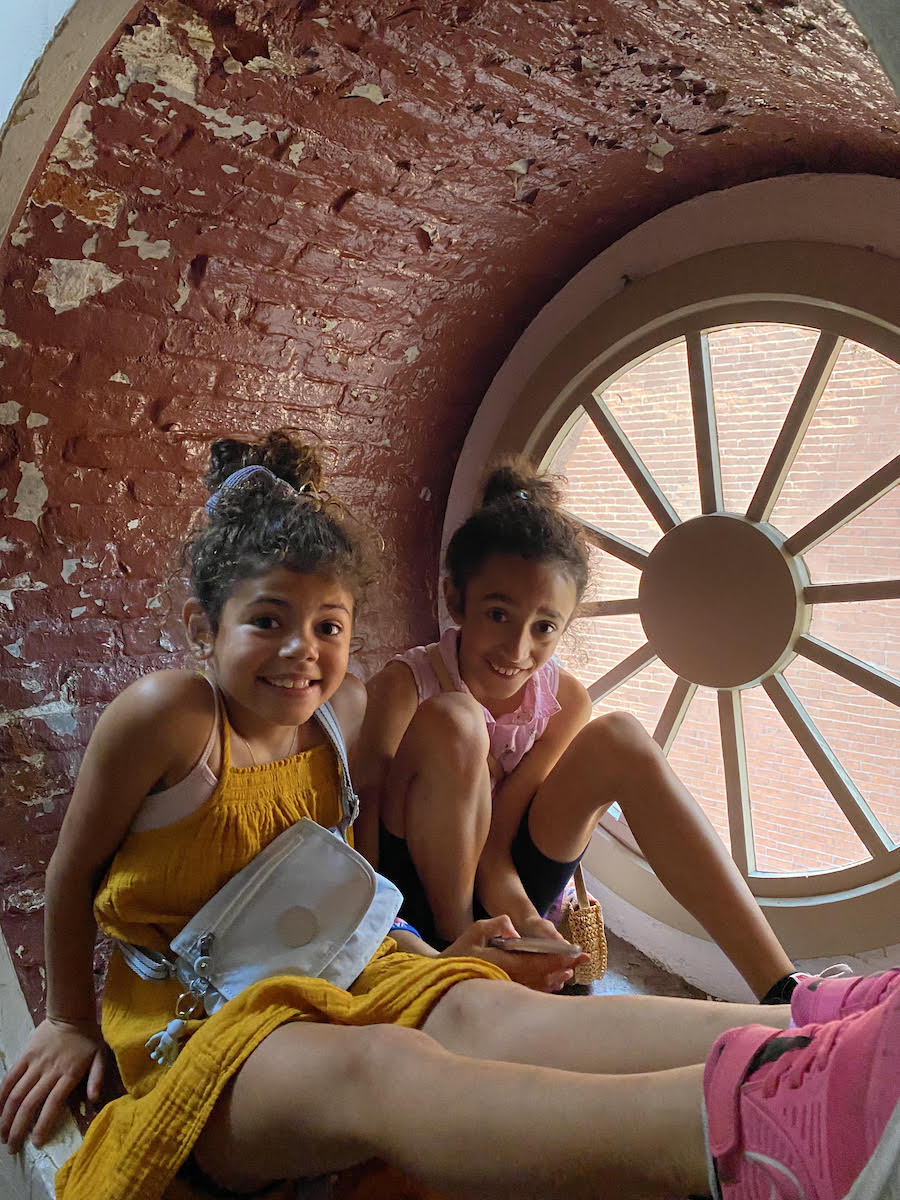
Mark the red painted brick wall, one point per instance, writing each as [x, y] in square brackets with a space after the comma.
[234, 231]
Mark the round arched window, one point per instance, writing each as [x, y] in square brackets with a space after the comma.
[729, 427]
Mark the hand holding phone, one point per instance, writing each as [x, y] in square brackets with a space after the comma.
[535, 945]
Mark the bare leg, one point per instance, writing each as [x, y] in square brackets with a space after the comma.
[438, 797]
[593, 1034]
[614, 758]
[316, 1098]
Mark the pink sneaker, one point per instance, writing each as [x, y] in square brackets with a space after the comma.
[828, 997]
[807, 1114]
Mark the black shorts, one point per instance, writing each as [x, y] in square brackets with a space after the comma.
[543, 878]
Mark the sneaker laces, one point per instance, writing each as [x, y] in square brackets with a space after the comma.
[798, 1061]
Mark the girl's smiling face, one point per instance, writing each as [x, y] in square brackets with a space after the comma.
[511, 618]
[281, 648]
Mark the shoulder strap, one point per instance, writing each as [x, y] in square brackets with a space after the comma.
[349, 800]
[443, 677]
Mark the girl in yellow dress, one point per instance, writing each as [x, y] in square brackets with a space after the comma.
[439, 1065]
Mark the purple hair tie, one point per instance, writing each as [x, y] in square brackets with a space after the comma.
[235, 479]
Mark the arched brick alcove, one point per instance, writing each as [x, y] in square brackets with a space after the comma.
[340, 216]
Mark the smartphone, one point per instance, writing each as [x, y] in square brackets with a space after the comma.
[535, 945]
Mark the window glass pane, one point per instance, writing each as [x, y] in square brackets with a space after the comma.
[852, 433]
[644, 696]
[756, 370]
[863, 731]
[651, 402]
[869, 631]
[868, 547]
[797, 825]
[590, 648]
[598, 489]
[696, 757]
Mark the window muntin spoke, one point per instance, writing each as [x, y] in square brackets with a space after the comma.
[787, 444]
[867, 747]
[695, 755]
[609, 608]
[673, 714]
[865, 824]
[631, 463]
[616, 546]
[756, 370]
[846, 593]
[661, 434]
[867, 677]
[622, 672]
[850, 437]
[598, 492]
[875, 532]
[844, 510]
[737, 784]
[706, 438]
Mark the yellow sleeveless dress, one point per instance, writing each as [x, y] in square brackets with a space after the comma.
[158, 879]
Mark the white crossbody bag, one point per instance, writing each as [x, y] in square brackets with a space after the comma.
[308, 904]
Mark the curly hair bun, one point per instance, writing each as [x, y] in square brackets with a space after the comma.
[284, 451]
[516, 479]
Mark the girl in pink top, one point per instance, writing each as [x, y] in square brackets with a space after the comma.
[461, 837]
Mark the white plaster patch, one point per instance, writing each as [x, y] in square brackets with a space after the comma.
[656, 153]
[183, 292]
[9, 412]
[224, 125]
[32, 493]
[56, 713]
[26, 900]
[151, 55]
[411, 353]
[368, 91]
[76, 147]
[22, 233]
[196, 192]
[59, 221]
[6, 544]
[425, 494]
[32, 685]
[297, 152]
[21, 583]
[119, 377]
[35, 418]
[10, 339]
[139, 240]
[14, 648]
[77, 612]
[133, 524]
[89, 245]
[148, 191]
[230, 170]
[69, 567]
[67, 283]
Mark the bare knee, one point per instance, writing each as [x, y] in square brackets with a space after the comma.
[468, 1017]
[449, 730]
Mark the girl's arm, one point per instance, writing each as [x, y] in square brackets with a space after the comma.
[499, 886]
[152, 733]
[392, 704]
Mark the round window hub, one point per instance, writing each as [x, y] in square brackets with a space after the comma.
[721, 602]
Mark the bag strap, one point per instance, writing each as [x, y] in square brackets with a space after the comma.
[325, 715]
[443, 677]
